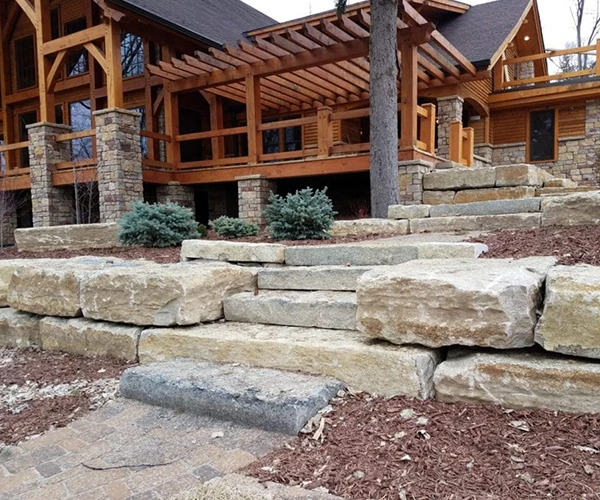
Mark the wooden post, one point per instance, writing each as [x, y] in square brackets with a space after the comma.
[409, 97]
[8, 123]
[598, 57]
[468, 146]
[114, 73]
[171, 104]
[456, 141]
[42, 31]
[428, 126]
[324, 131]
[254, 118]
[216, 123]
[499, 74]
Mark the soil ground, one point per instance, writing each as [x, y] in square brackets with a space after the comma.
[571, 245]
[40, 390]
[373, 448]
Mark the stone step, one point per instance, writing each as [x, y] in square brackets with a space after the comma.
[365, 365]
[256, 397]
[519, 379]
[332, 278]
[476, 223]
[494, 207]
[320, 309]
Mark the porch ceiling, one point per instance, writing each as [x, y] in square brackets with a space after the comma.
[320, 61]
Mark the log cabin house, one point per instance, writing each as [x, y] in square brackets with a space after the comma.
[213, 104]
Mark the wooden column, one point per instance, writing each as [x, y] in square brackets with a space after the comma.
[216, 123]
[171, 103]
[114, 70]
[324, 131]
[42, 31]
[254, 118]
[409, 97]
[8, 124]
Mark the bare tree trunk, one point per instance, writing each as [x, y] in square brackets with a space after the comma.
[383, 53]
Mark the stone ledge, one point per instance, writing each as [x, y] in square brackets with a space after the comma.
[366, 227]
[70, 237]
[476, 223]
[230, 251]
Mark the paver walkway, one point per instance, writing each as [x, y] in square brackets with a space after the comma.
[129, 450]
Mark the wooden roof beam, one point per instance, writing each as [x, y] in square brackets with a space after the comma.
[210, 60]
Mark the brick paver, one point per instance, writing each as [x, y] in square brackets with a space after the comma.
[128, 450]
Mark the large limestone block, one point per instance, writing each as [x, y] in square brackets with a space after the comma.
[163, 295]
[476, 223]
[89, 338]
[451, 250]
[459, 178]
[52, 288]
[362, 254]
[367, 227]
[518, 379]
[231, 251]
[489, 303]
[519, 175]
[438, 197]
[504, 193]
[72, 237]
[494, 207]
[19, 329]
[560, 183]
[579, 209]
[570, 323]
[7, 267]
[334, 278]
[401, 212]
[345, 355]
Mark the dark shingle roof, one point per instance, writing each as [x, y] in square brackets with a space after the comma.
[480, 32]
[217, 21]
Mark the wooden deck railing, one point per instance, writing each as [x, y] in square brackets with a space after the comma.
[156, 149]
[509, 72]
[78, 162]
[8, 161]
[462, 141]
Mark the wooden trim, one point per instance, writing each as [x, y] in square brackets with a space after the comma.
[75, 40]
[215, 163]
[296, 122]
[211, 134]
[12, 147]
[75, 135]
[155, 135]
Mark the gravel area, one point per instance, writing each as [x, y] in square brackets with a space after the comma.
[40, 390]
[373, 448]
[571, 245]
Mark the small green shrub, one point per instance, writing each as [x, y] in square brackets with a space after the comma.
[230, 227]
[304, 215]
[202, 231]
[157, 225]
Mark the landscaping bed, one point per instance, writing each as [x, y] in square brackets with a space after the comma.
[571, 245]
[40, 390]
[375, 448]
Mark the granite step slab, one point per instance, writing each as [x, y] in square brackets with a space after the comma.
[311, 278]
[494, 207]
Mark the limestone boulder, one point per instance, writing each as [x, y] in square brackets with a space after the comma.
[232, 251]
[519, 379]
[519, 175]
[18, 329]
[401, 212]
[89, 338]
[367, 227]
[570, 323]
[71, 237]
[491, 194]
[52, 288]
[560, 183]
[579, 209]
[7, 267]
[163, 295]
[489, 303]
[459, 178]
[439, 197]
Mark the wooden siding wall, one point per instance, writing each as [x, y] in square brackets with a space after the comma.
[510, 126]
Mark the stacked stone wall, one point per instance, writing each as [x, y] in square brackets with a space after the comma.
[253, 196]
[174, 192]
[410, 181]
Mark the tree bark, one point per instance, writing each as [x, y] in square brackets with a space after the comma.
[383, 53]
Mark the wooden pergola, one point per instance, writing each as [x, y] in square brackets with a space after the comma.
[316, 63]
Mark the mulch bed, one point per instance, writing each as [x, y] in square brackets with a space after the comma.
[27, 372]
[372, 449]
[571, 245]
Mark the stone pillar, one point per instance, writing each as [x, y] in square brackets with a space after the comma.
[410, 180]
[174, 192]
[526, 70]
[119, 161]
[449, 109]
[51, 206]
[8, 220]
[253, 196]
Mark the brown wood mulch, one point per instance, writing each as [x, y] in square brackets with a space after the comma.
[24, 367]
[571, 245]
[399, 448]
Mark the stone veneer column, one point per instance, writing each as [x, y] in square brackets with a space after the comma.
[174, 192]
[449, 109]
[410, 181]
[253, 196]
[119, 161]
[526, 70]
[51, 206]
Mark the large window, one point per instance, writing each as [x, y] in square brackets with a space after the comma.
[25, 58]
[80, 116]
[77, 61]
[132, 55]
[542, 135]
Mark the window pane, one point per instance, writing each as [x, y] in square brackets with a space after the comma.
[132, 55]
[80, 115]
[77, 61]
[25, 58]
[542, 137]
